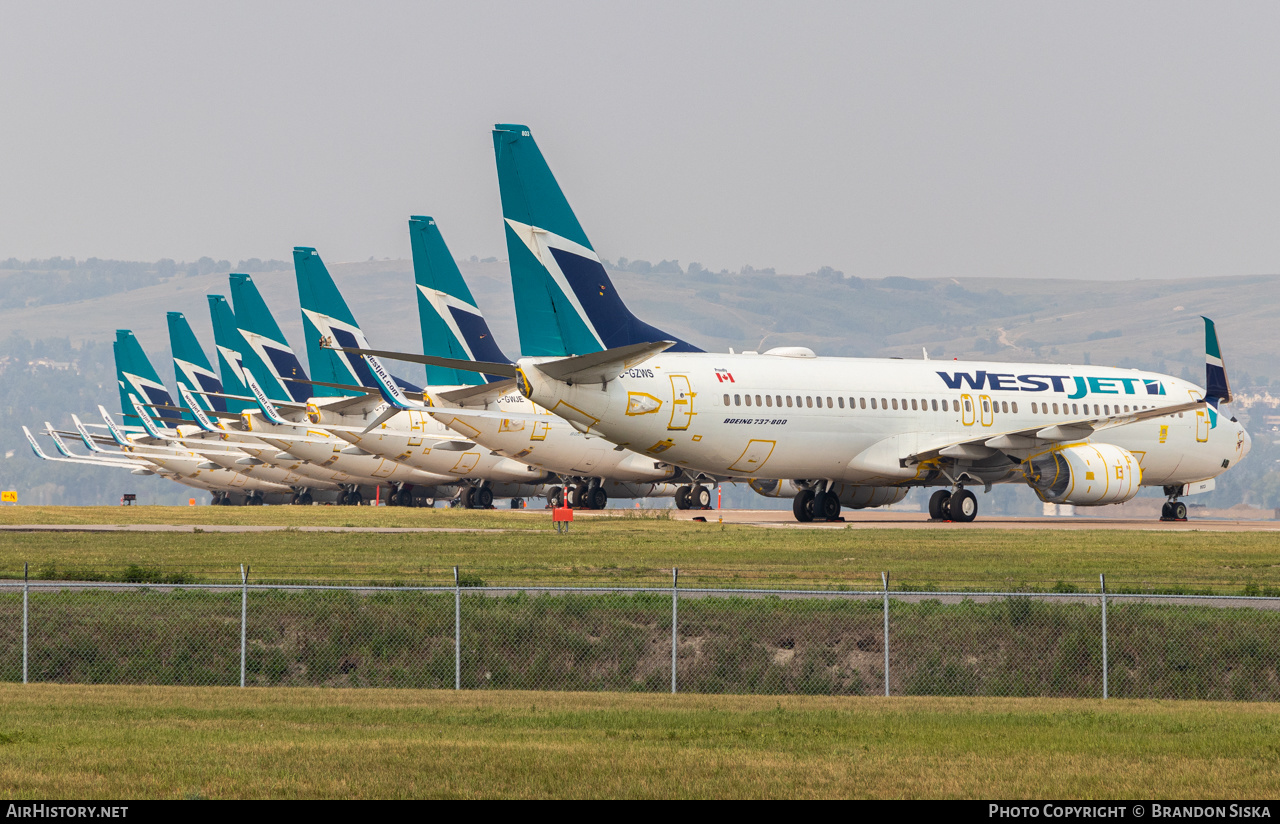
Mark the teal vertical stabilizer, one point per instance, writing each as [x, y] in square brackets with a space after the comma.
[327, 318]
[136, 376]
[452, 324]
[566, 303]
[191, 367]
[228, 342]
[264, 350]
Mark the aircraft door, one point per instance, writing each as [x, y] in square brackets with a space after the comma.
[540, 428]
[966, 410]
[682, 396]
[988, 417]
[1202, 425]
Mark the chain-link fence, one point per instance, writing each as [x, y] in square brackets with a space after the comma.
[643, 638]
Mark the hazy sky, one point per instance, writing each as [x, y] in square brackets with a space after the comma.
[888, 138]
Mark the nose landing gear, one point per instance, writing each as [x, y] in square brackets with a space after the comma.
[1173, 509]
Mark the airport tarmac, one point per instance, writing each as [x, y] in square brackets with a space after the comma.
[769, 519]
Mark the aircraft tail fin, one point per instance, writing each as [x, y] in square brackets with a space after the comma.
[1217, 387]
[228, 342]
[565, 302]
[191, 368]
[263, 348]
[136, 376]
[326, 316]
[452, 324]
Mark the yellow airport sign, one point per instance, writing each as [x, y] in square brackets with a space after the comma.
[9, 496]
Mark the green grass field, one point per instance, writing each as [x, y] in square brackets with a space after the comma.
[168, 742]
[521, 547]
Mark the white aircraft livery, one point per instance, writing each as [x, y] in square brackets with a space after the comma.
[844, 432]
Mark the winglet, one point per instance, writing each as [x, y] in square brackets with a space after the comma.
[84, 435]
[35, 447]
[387, 386]
[264, 403]
[202, 420]
[1217, 387]
[116, 435]
[147, 423]
[57, 440]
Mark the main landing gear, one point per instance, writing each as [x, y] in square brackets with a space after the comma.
[1173, 509]
[693, 496]
[303, 498]
[816, 505]
[588, 495]
[960, 506]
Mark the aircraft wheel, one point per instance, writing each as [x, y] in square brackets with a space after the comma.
[802, 505]
[555, 497]
[256, 500]
[598, 498]
[482, 498]
[293, 501]
[936, 503]
[429, 503]
[682, 497]
[405, 498]
[517, 503]
[355, 498]
[575, 497]
[226, 500]
[963, 506]
[826, 506]
[700, 498]
[1179, 511]
[305, 499]
[1166, 511]
[468, 498]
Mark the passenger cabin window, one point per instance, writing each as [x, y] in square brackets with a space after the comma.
[895, 403]
[778, 398]
[726, 400]
[862, 403]
[1015, 407]
[968, 407]
[808, 401]
[935, 404]
[841, 402]
[986, 406]
[768, 400]
[1033, 407]
[913, 405]
[1055, 409]
[748, 400]
[757, 400]
[944, 404]
[873, 403]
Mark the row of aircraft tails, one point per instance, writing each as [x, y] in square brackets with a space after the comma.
[602, 405]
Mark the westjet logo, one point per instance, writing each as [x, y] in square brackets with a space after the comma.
[1076, 386]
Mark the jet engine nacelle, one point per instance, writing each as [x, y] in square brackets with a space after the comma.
[862, 497]
[851, 496]
[1084, 475]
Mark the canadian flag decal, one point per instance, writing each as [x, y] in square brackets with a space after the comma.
[724, 376]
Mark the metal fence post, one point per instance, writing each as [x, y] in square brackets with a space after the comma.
[25, 590]
[675, 600]
[457, 632]
[884, 576]
[1102, 578]
[244, 616]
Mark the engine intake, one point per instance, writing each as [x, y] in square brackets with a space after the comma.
[1084, 475]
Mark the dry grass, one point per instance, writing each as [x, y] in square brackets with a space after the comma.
[163, 742]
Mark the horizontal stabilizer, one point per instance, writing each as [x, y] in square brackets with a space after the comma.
[504, 370]
[486, 393]
[602, 366]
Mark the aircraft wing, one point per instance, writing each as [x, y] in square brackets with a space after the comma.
[989, 443]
